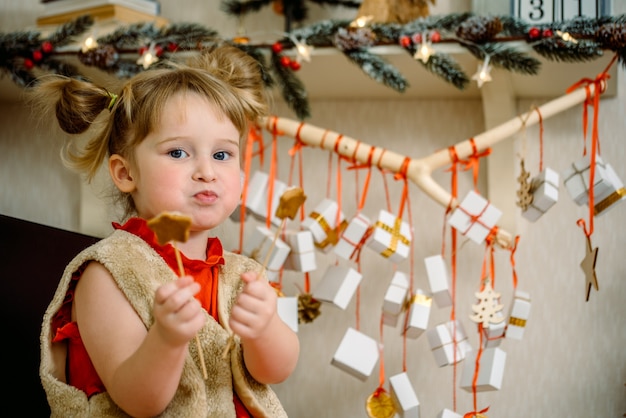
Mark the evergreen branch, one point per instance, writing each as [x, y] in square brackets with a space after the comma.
[258, 55]
[132, 36]
[447, 69]
[67, 33]
[504, 57]
[187, 35]
[291, 89]
[561, 51]
[242, 8]
[378, 69]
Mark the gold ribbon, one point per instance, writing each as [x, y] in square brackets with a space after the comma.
[608, 201]
[518, 322]
[395, 236]
[332, 235]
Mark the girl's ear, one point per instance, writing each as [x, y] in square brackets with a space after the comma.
[119, 169]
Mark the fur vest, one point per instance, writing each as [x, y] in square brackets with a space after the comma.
[138, 271]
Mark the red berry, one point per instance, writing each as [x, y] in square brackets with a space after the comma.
[435, 36]
[172, 47]
[28, 63]
[37, 55]
[285, 61]
[547, 33]
[158, 50]
[534, 33]
[47, 47]
[277, 47]
[417, 38]
[295, 65]
[143, 50]
[405, 41]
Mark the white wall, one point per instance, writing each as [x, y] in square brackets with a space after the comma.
[571, 362]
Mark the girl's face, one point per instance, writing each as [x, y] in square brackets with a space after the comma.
[188, 164]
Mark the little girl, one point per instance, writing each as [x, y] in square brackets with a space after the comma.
[116, 337]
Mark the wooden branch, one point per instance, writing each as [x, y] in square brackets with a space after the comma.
[419, 170]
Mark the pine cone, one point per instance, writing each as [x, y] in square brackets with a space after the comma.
[104, 56]
[308, 308]
[354, 38]
[612, 36]
[479, 29]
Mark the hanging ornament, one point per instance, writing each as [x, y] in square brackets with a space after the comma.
[308, 308]
[380, 405]
[525, 192]
[488, 310]
[589, 267]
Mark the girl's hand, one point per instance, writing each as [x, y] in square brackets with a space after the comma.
[254, 308]
[178, 314]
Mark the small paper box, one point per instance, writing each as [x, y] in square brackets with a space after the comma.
[351, 239]
[576, 180]
[616, 193]
[322, 223]
[446, 413]
[287, 310]
[391, 319]
[259, 245]
[419, 312]
[391, 237]
[545, 190]
[302, 255]
[439, 280]
[236, 215]
[519, 314]
[357, 354]
[258, 195]
[396, 295]
[442, 345]
[403, 396]
[338, 285]
[492, 336]
[490, 371]
[475, 217]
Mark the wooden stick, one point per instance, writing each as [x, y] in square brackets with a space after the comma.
[181, 272]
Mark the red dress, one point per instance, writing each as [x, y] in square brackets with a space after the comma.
[80, 370]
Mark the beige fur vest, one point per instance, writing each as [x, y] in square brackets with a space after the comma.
[138, 271]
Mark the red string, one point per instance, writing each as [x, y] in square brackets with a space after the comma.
[513, 249]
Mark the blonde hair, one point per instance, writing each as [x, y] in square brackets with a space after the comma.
[226, 76]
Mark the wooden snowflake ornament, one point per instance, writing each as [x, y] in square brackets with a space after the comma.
[488, 310]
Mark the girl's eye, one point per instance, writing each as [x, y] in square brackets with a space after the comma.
[178, 153]
[221, 155]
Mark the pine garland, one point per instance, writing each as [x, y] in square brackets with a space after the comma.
[22, 53]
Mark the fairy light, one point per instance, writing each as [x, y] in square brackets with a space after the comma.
[149, 57]
[89, 43]
[425, 49]
[483, 74]
[566, 37]
[303, 50]
[361, 21]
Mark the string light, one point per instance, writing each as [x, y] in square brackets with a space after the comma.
[483, 74]
[149, 57]
[361, 21]
[425, 49]
[89, 43]
[566, 37]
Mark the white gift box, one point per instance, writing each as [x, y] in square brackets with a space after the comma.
[492, 336]
[446, 413]
[391, 237]
[396, 294]
[519, 314]
[490, 372]
[576, 180]
[351, 238]
[438, 280]
[616, 193]
[338, 285]
[324, 224]
[258, 195]
[357, 354]
[475, 217]
[236, 215]
[442, 345]
[419, 313]
[545, 190]
[287, 309]
[403, 396]
[259, 245]
[391, 319]
[302, 255]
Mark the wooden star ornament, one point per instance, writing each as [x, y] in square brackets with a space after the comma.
[589, 267]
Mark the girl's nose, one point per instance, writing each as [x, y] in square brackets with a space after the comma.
[204, 171]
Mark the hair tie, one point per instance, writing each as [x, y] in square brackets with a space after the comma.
[113, 97]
